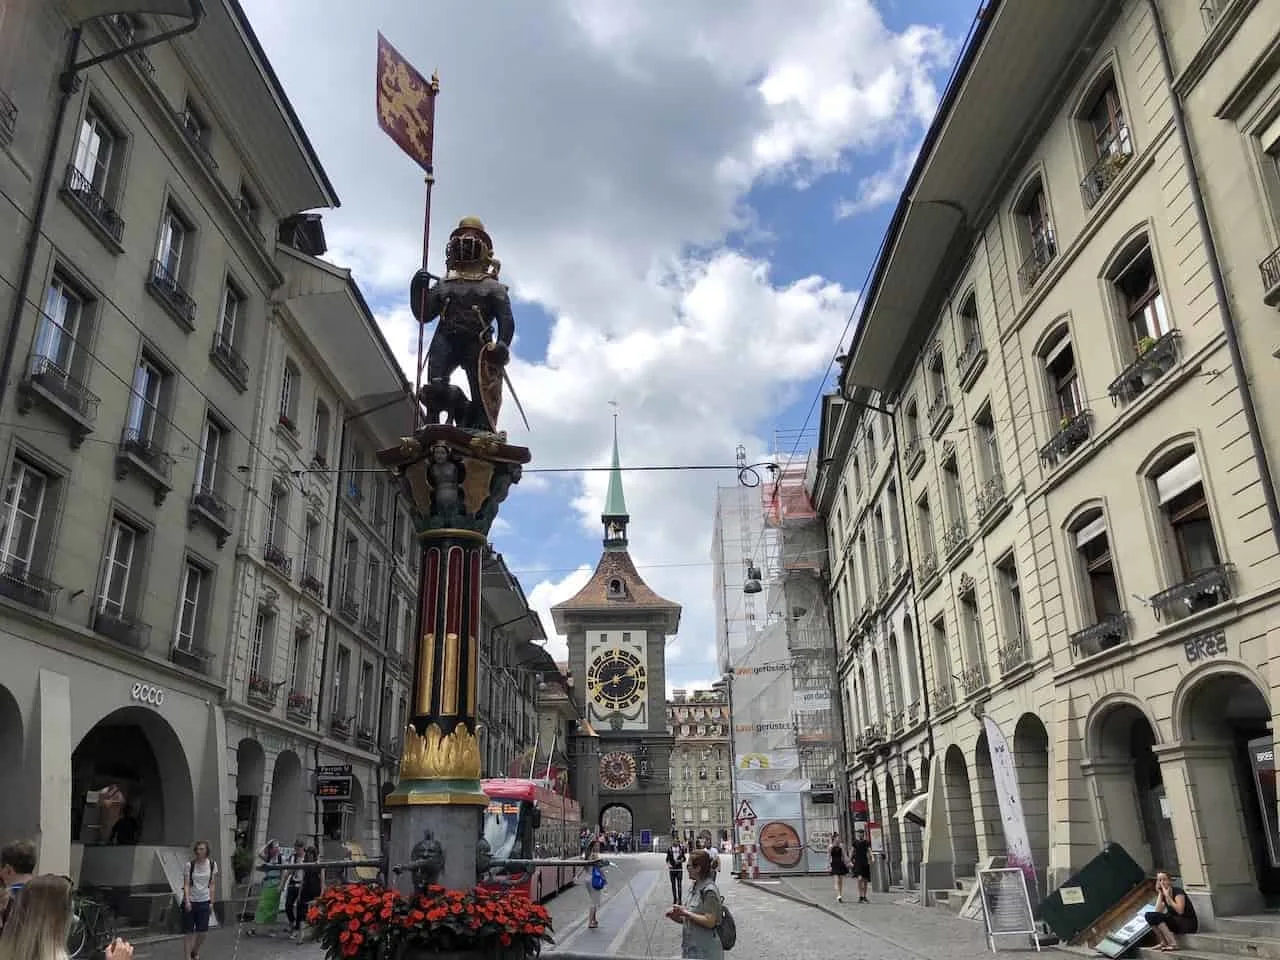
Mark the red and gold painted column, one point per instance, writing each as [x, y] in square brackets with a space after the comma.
[455, 482]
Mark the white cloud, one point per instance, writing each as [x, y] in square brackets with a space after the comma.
[881, 187]
[546, 594]
[602, 141]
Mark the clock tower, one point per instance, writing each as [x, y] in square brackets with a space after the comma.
[617, 629]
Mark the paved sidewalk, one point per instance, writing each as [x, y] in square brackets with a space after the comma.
[893, 919]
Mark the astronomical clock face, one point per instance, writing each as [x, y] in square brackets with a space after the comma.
[616, 680]
[617, 770]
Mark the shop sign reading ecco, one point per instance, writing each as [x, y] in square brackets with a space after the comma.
[146, 693]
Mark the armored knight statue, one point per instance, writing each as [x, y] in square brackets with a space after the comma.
[470, 303]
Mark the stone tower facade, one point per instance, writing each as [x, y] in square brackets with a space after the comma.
[617, 630]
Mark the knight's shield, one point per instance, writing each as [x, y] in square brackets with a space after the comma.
[490, 385]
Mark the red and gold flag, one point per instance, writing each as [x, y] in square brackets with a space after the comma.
[406, 104]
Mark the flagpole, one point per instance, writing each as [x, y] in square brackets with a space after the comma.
[426, 254]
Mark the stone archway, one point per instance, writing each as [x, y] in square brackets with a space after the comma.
[617, 818]
[16, 811]
[990, 825]
[1031, 758]
[1127, 785]
[964, 839]
[250, 772]
[132, 763]
[285, 819]
[1230, 834]
[893, 851]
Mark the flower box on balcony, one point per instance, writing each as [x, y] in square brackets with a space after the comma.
[1073, 433]
[298, 707]
[262, 691]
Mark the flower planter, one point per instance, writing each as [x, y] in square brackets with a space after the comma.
[365, 921]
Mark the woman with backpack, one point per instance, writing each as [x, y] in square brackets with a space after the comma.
[197, 898]
[708, 926]
[596, 883]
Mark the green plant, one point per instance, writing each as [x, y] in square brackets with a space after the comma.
[1143, 345]
[242, 863]
[1062, 425]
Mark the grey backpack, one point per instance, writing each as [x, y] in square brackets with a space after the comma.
[727, 928]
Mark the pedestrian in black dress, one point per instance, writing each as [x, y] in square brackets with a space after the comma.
[839, 869]
[860, 861]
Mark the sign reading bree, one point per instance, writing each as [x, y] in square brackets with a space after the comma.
[1205, 646]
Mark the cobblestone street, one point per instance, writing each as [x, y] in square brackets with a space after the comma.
[773, 924]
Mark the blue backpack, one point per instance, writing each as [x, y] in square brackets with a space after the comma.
[597, 878]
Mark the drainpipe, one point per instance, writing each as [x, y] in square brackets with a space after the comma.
[1219, 284]
[68, 83]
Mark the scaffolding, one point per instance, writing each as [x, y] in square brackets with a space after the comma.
[785, 704]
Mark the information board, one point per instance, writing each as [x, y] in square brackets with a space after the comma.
[1006, 905]
[333, 787]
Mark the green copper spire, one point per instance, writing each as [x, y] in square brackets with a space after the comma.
[615, 516]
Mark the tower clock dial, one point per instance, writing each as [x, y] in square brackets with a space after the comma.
[617, 770]
[616, 679]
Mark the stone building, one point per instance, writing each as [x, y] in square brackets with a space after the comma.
[324, 600]
[886, 715]
[701, 774]
[1076, 339]
[617, 630]
[129, 384]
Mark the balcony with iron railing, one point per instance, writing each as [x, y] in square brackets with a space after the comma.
[166, 287]
[973, 679]
[1201, 591]
[1153, 358]
[1113, 158]
[274, 556]
[340, 727]
[92, 207]
[928, 568]
[1106, 633]
[372, 622]
[19, 583]
[990, 497]
[1044, 248]
[973, 357]
[940, 410]
[1013, 655]
[1270, 270]
[198, 136]
[229, 362]
[1073, 432]
[955, 537]
[943, 693]
[61, 393]
[349, 607]
[191, 656]
[211, 509]
[311, 581]
[262, 691]
[913, 455]
[298, 708]
[122, 627]
[141, 452]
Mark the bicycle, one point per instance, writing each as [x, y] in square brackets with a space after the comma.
[93, 929]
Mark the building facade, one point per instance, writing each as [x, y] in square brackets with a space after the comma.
[326, 583]
[148, 290]
[886, 716]
[617, 630]
[1072, 326]
[701, 766]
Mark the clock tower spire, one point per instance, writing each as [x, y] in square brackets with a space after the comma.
[615, 518]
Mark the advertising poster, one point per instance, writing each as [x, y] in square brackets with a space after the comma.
[778, 833]
[1262, 756]
[812, 701]
[1017, 841]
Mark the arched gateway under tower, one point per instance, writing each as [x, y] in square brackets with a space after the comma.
[617, 629]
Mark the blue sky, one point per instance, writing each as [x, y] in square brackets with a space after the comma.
[685, 208]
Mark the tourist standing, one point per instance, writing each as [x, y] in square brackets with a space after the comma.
[700, 914]
[595, 884]
[675, 869]
[40, 923]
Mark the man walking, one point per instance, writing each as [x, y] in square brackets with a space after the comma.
[675, 869]
[860, 862]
